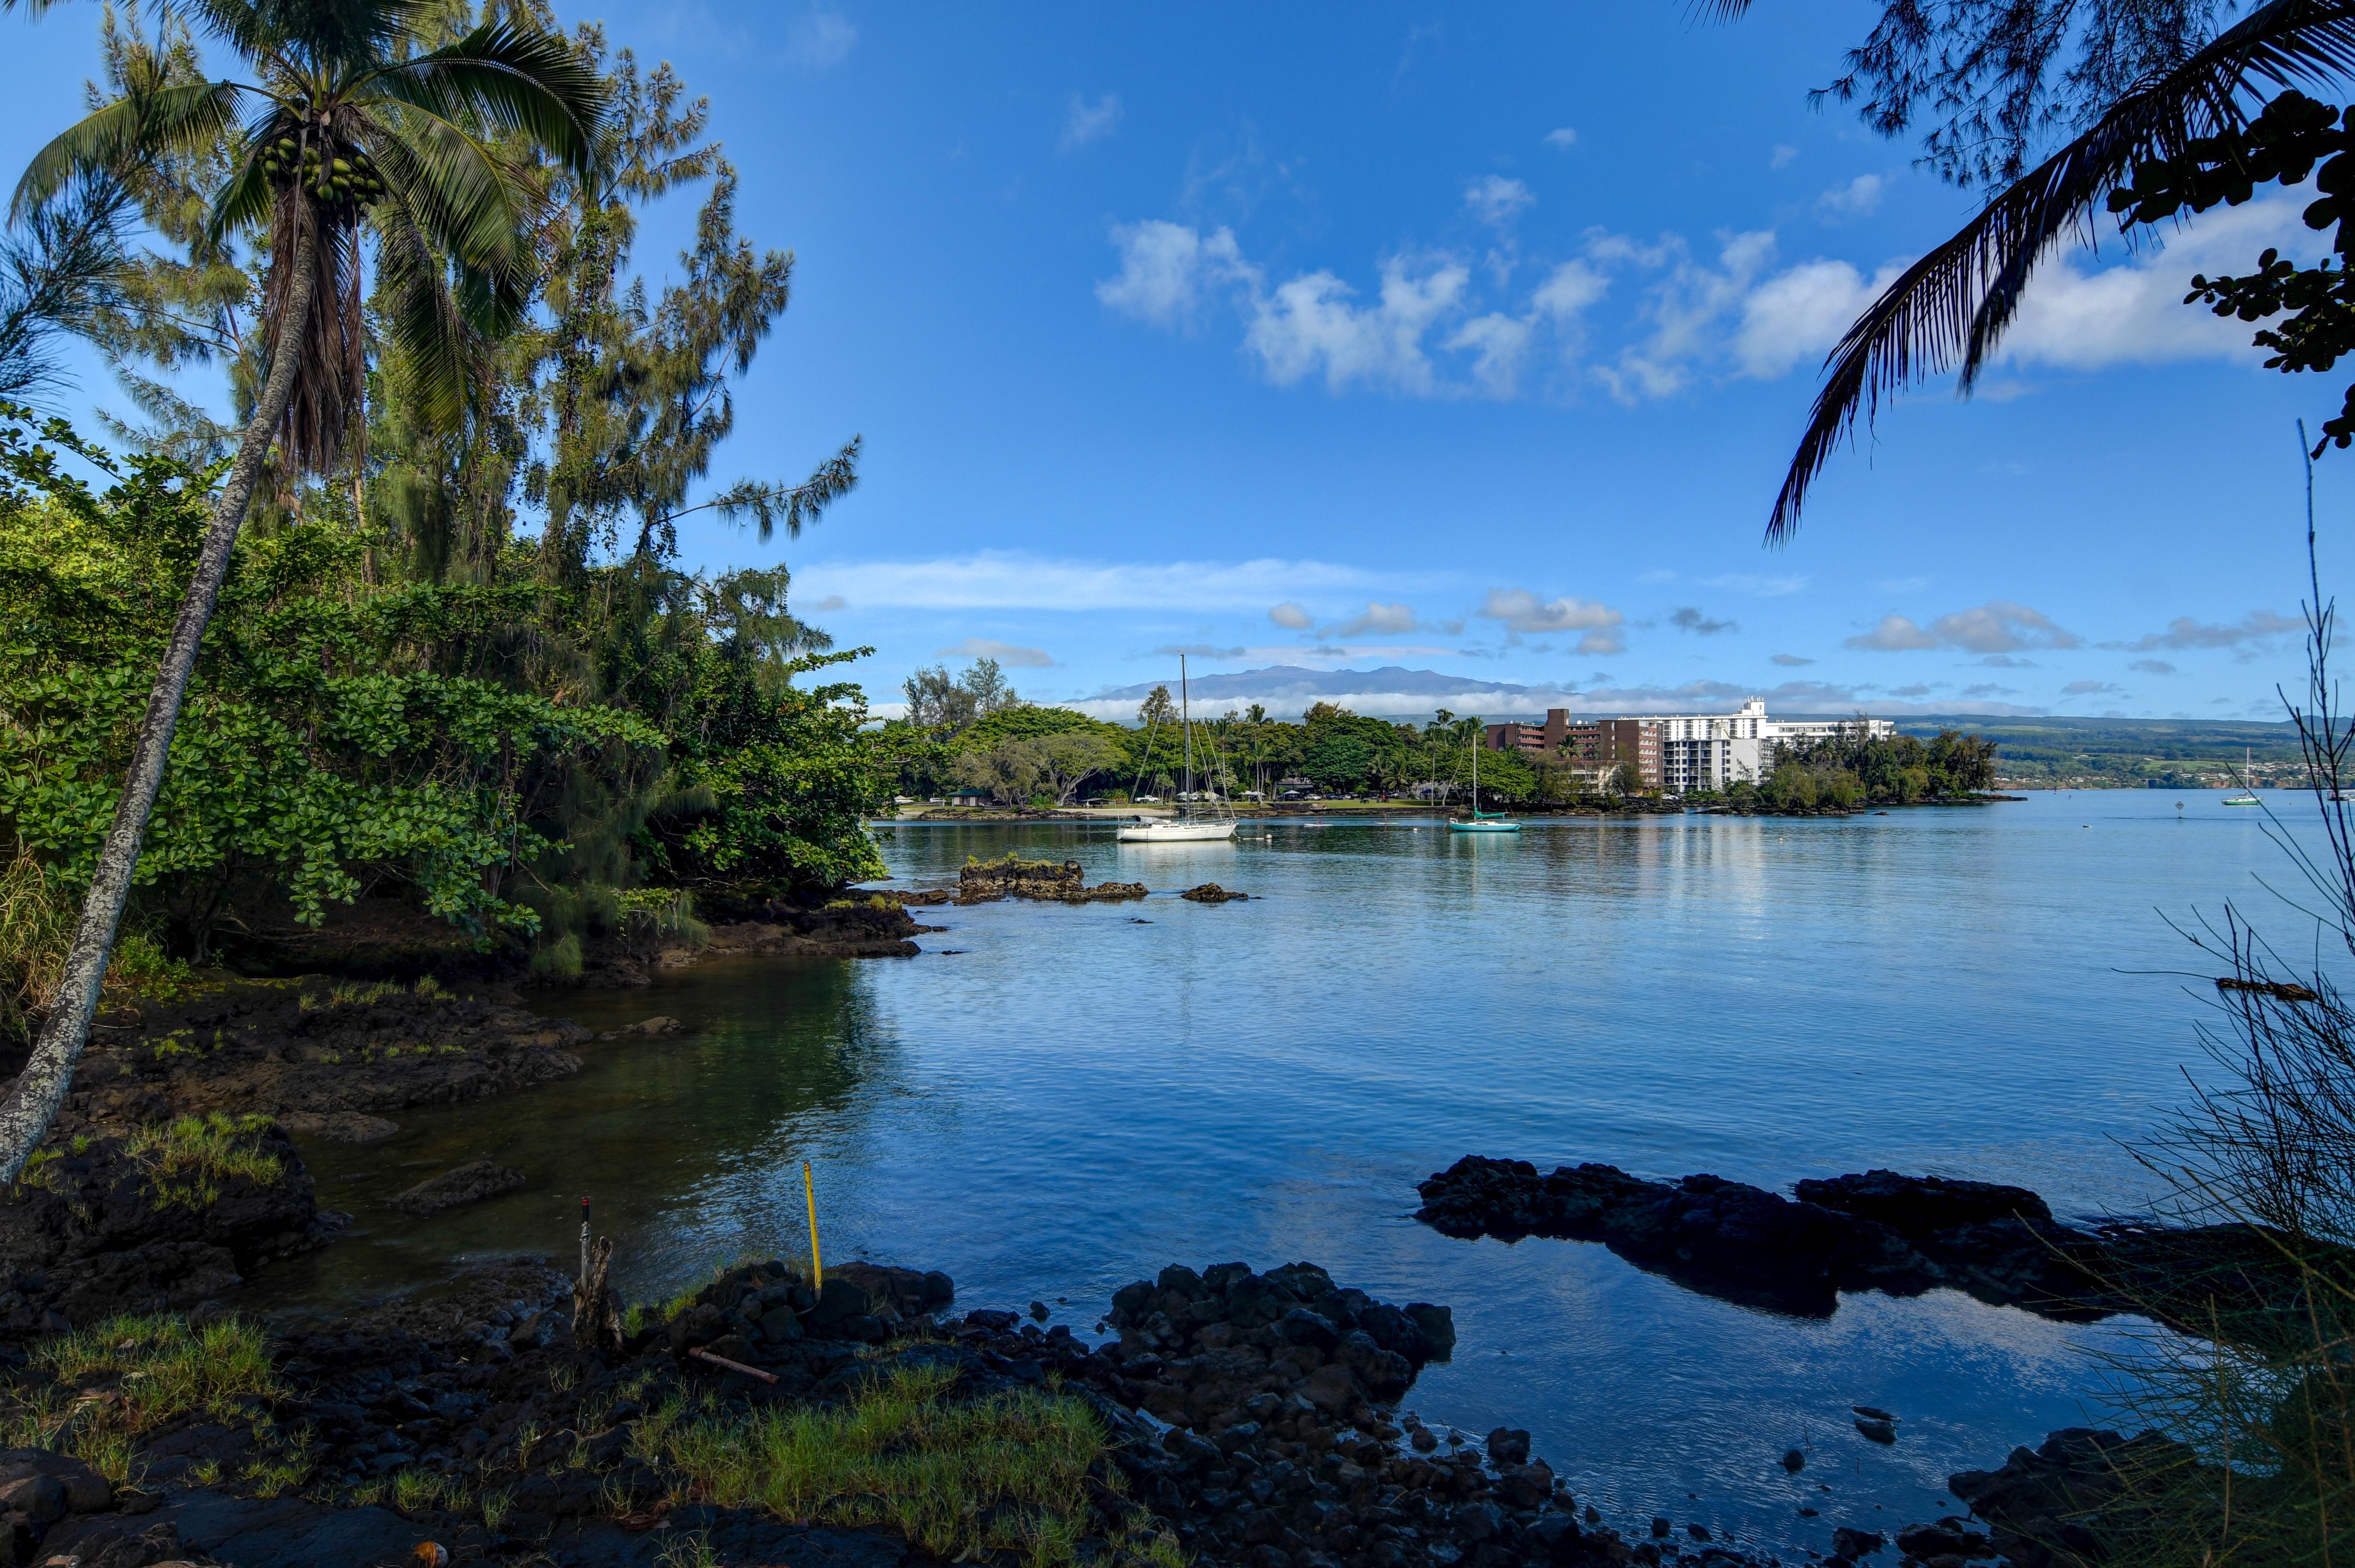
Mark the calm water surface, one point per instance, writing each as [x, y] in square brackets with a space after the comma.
[1053, 1101]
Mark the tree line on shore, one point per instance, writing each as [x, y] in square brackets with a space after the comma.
[973, 732]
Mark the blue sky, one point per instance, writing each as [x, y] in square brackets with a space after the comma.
[1471, 339]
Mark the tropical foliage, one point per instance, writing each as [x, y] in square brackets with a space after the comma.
[1854, 768]
[410, 689]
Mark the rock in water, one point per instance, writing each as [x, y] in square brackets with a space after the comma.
[1211, 893]
[468, 1183]
[983, 881]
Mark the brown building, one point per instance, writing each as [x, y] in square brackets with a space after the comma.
[1598, 742]
[1530, 740]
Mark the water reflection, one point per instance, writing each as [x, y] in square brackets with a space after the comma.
[690, 1144]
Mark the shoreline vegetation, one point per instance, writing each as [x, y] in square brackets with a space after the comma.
[972, 743]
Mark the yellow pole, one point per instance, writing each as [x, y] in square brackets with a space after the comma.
[809, 1191]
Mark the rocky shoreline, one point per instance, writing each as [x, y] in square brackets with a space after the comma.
[1246, 1418]
[1253, 1419]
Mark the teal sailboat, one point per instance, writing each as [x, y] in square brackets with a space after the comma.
[1482, 821]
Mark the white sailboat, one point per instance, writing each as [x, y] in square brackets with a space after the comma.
[1482, 821]
[1185, 827]
[2247, 796]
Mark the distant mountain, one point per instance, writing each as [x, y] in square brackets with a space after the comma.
[1393, 691]
[1291, 687]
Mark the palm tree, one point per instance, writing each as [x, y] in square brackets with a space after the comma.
[1952, 305]
[351, 136]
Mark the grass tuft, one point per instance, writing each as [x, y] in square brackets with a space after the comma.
[165, 1369]
[1005, 1473]
[186, 1160]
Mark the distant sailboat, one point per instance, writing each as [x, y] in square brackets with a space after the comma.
[2247, 796]
[1482, 821]
[1186, 828]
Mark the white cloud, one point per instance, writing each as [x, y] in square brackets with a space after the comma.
[1497, 200]
[1377, 617]
[2183, 632]
[2133, 314]
[1997, 627]
[1765, 586]
[1569, 290]
[1011, 579]
[1166, 268]
[819, 39]
[833, 602]
[1562, 139]
[1309, 325]
[1685, 309]
[1854, 200]
[1791, 661]
[1003, 653]
[1783, 156]
[1736, 317]
[1796, 316]
[1087, 121]
[1896, 634]
[1293, 616]
[1497, 342]
[1523, 613]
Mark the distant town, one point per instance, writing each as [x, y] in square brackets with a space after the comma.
[1678, 753]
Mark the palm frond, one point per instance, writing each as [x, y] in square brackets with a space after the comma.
[243, 201]
[250, 29]
[1952, 306]
[170, 119]
[433, 337]
[515, 79]
[456, 190]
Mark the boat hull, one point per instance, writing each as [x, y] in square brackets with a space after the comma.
[1177, 832]
[1484, 827]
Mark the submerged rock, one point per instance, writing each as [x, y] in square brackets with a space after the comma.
[1211, 893]
[468, 1183]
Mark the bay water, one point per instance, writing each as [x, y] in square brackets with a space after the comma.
[1053, 1101]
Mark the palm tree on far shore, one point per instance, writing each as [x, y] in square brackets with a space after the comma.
[351, 136]
[1950, 309]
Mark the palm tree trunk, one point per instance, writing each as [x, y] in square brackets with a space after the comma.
[41, 1089]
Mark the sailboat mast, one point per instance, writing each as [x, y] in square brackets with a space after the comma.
[1476, 775]
[1185, 717]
